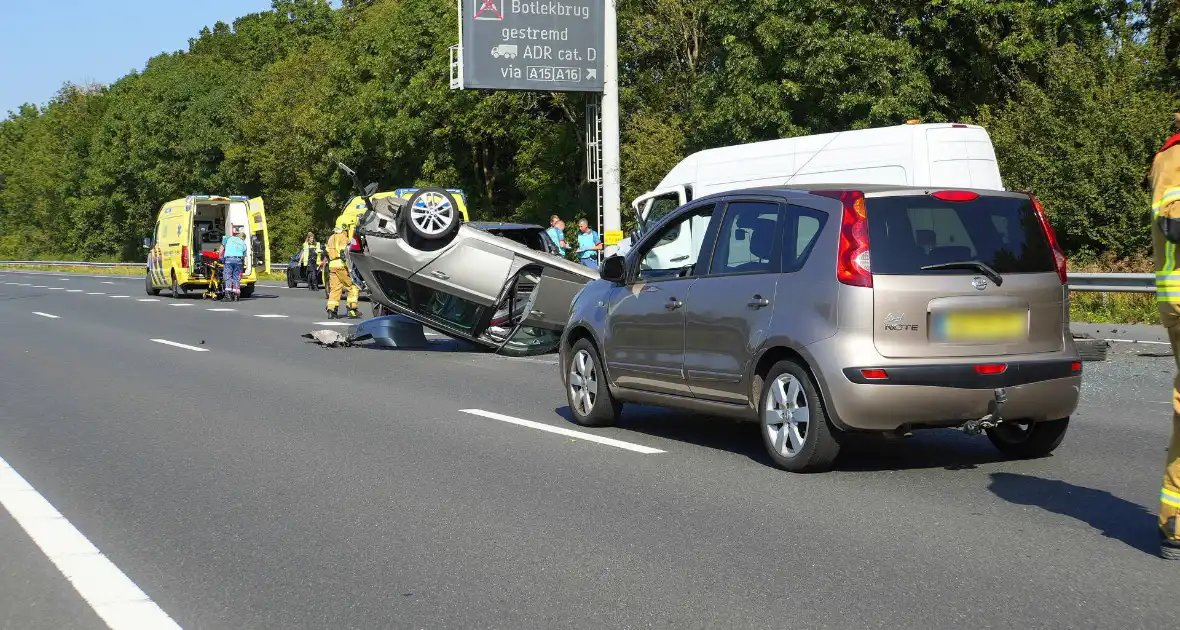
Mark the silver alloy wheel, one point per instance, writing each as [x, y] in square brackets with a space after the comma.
[432, 213]
[583, 383]
[786, 415]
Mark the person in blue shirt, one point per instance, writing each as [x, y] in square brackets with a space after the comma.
[556, 232]
[233, 252]
[588, 245]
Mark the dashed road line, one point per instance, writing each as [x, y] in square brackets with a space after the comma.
[180, 345]
[221, 310]
[40, 286]
[332, 324]
[272, 316]
[108, 283]
[57, 288]
[119, 297]
[116, 599]
[174, 304]
[96, 293]
[147, 300]
[73, 290]
[46, 315]
[589, 437]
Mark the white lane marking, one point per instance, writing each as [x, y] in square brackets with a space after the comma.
[1156, 343]
[12, 284]
[220, 310]
[179, 345]
[117, 297]
[589, 437]
[46, 315]
[332, 324]
[96, 293]
[23, 284]
[272, 316]
[108, 283]
[179, 304]
[57, 288]
[40, 286]
[116, 599]
[73, 290]
[147, 300]
[66, 279]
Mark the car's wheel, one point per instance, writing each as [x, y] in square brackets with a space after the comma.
[1028, 440]
[153, 291]
[590, 400]
[247, 290]
[432, 215]
[794, 426]
[175, 287]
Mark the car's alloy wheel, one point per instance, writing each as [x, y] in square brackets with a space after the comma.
[583, 382]
[794, 424]
[587, 392]
[432, 213]
[786, 415]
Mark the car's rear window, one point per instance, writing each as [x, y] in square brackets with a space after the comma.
[907, 233]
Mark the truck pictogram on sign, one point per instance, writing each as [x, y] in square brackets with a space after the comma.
[488, 10]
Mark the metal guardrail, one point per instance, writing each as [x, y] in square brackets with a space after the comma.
[1112, 282]
[1087, 282]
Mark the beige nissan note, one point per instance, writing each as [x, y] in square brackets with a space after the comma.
[820, 311]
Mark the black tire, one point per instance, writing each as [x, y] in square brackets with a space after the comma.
[820, 440]
[441, 226]
[176, 290]
[1028, 441]
[292, 281]
[247, 290]
[603, 410]
[151, 290]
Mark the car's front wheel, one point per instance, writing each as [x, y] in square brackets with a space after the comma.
[1028, 440]
[590, 400]
[432, 214]
[795, 429]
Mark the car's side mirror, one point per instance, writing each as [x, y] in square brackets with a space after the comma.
[614, 269]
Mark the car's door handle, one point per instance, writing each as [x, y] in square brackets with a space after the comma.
[758, 302]
[673, 304]
[440, 275]
[680, 258]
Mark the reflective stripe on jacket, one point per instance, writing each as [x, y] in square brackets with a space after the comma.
[1165, 203]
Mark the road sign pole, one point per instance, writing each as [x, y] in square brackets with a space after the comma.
[611, 159]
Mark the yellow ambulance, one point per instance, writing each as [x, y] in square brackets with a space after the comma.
[188, 234]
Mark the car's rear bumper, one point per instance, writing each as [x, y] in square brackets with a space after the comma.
[946, 393]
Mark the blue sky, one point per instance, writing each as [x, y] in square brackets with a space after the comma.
[45, 43]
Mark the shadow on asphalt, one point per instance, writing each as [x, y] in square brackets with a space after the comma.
[1116, 518]
[947, 449]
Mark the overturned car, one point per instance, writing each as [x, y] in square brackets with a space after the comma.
[496, 284]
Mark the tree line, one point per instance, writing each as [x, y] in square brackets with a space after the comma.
[1076, 94]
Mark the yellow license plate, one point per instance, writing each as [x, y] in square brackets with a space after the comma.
[982, 327]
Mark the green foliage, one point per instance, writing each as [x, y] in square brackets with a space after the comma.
[1076, 95]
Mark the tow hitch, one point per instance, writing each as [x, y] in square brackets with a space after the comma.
[994, 416]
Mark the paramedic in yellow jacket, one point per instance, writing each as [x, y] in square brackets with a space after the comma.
[1165, 234]
[338, 276]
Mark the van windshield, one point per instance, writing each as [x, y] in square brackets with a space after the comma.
[907, 233]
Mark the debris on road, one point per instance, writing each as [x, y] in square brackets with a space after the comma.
[328, 338]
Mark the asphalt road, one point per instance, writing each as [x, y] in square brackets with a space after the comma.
[265, 482]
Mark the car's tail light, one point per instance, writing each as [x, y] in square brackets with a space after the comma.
[1076, 366]
[852, 260]
[355, 245]
[184, 256]
[955, 195]
[991, 369]
[1058, 255]
[876, 375]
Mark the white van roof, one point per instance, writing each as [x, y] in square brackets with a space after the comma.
[950, 154]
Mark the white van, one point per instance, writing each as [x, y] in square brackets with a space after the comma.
[950, 155]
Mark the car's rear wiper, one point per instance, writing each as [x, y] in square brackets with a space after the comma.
[977, 265]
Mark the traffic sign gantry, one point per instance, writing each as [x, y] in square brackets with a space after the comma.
[533, 45]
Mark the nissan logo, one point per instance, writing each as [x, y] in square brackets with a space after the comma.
[979, 282]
